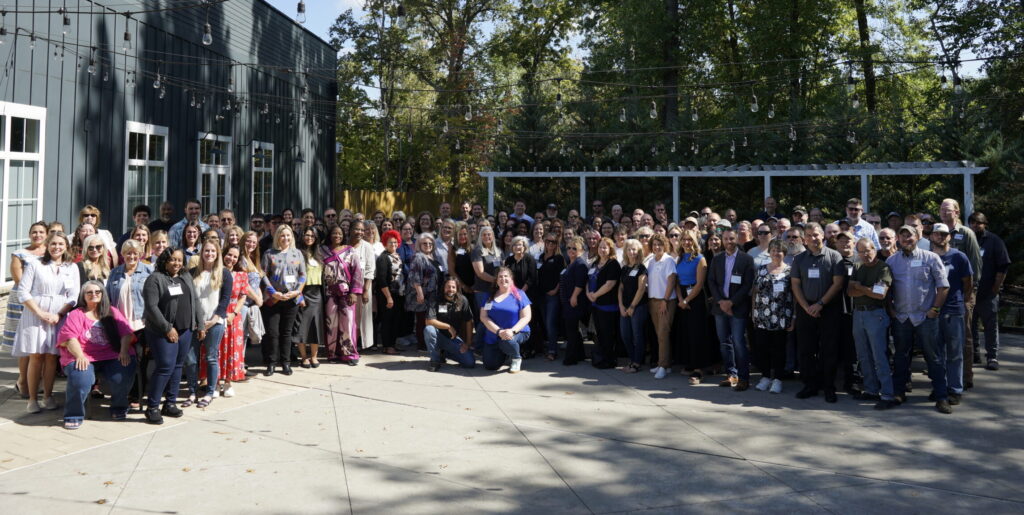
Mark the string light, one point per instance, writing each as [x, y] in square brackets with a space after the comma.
[469, 113]
[231, 85]
[618, 149]
[163, 93]
[207, 34]
[792, 133]
[754, 106]
[66, 20]
[694, 116]
[445, 128]
[673, 149]
[300, 12]
[654, 110]
[126, 43]
[3, 28]
[558, 100]
[622, 115]
[771, 111]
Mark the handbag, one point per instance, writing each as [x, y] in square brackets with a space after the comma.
[254, 325]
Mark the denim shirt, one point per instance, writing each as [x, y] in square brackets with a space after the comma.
[116, 280]
[914, 281]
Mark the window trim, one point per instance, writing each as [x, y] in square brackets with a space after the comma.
[214, 169]
[147, 129]
[9, 110]
[263, 145]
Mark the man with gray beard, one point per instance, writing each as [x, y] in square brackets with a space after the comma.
[794, 244]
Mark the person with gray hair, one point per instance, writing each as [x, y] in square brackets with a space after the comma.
[424, 281]
[868, 287]
[524, 276]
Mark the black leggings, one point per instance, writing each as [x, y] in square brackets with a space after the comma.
[279, 321]
[770, 352]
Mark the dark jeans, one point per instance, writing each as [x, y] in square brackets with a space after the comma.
[494, 354]
[279, 321]
[986, 311]
[847, 350]
[733, 344]
[552, 310]
[606, 327]
[119, 379]
[168, 358]
[574, 352]
[632, 332]
[925, 335]
[390, 319]
[818, 347]
[770, 352]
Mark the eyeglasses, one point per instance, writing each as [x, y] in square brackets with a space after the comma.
[330, 215]
[855, 209]
[95, 247]
[93, 292]
[764, 233]
[94, 215]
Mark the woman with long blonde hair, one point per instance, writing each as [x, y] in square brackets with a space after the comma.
[213, 283]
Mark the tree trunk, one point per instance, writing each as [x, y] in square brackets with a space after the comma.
[670, 77]
[868, 62]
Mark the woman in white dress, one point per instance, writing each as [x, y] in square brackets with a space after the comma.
[19, 262]
[48, 289]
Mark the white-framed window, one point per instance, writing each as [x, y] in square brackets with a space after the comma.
[262, 177]
[145, 174]
[22, 134]
[213, 188]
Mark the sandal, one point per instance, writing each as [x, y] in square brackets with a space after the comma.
[188, 402]
[72, 424]
[95, 393]
[314, 363]
[695, 378]
[204, 402]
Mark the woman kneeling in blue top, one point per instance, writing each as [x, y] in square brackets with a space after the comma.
[506, 318]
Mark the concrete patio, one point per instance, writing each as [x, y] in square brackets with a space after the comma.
[390, 437]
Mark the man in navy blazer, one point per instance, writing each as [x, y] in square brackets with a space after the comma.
[731, 279]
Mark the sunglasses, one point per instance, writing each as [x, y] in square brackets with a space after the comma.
[673, 236]
[763, 233]
[93, 292]
[330, 215]
[95, 247]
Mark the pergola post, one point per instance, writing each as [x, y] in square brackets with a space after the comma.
[864, 193]
[767, 186]
[675, 198]
[490, 194]
[583, 196]
[968, 196]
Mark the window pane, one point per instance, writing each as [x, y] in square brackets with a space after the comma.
[3, 133]
[24, 180]
[134, 152]
[204, 152]
[156, 183]
[222, 189]
[24, 135]
[269, 159]
[156, 147]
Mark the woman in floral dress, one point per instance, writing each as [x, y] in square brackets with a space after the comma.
[232, 346]
[343, 281]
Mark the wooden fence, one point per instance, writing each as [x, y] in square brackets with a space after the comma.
[409, 202]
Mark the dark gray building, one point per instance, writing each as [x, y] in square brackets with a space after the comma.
[120, 102]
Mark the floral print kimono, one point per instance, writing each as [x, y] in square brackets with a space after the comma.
[342, 275]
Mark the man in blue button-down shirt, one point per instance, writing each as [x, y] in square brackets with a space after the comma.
[919, 289]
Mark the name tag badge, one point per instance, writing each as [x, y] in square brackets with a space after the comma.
[632, 273]
[289, 279]
[915, 263]
[778, 287]
[539, 265]
[460, 252]
[879, 289]
[174, 290]
[813, 273]
[736, 279]
[849, 270]
[443, 308]
[563, 271]
[958, 236]
[441, 268]
[982, 252]
[593, 271]
[487, 307]
[689, 291]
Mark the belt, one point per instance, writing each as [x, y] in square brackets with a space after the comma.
[866, 308]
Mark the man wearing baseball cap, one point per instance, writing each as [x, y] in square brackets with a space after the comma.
[799, 215]
[919, 290]
[951, 317]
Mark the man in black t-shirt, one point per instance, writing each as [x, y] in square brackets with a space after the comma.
[449, 328]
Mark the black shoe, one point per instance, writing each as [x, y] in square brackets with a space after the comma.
[830, 396]
[305, 365]
[992, 365]
[286, 369]
[954, 399]
[806, 393]
[153, 416]
[171, 410]
[900, 398]
[864, 396]
[943, 407]
[932, 397]
[352, 362]
[883, 405]
[315, 364]
[852, 391]
[434, 367]
[910, 386]
[269, 371]
[250, 373]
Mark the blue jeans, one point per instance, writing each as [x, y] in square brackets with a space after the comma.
[168, 359]
[632, 330]
[871, 337]
[212, 344]
[733, 345]
[552, 325]
[438, 341]
[951, 336]
[494, 354]
[925, 335]
[119, 379]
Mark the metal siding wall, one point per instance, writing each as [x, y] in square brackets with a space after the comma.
[87, 166]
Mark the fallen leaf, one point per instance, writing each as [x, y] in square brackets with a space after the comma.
[443, 466]
[250, 471]
[570, 393]
[186, 469]
[220, 432]
[101, 501]
[80, 473]
[108, 483]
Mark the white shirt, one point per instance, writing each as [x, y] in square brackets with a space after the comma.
[658, 273]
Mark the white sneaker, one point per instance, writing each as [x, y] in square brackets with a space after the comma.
[655, 370]
[776, 386]
[763, 384]
[33, 407]
[516, 366]
[229, 392]
[49, 403]
[214, 394]
[661, 373]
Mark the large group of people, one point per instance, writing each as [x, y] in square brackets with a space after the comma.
[840, 305]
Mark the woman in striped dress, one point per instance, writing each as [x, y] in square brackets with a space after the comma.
[34, 251]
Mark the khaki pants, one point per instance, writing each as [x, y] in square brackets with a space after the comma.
[662, 313]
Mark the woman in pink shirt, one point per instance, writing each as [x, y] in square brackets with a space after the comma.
[96, 338]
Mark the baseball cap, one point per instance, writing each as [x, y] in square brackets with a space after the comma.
[892, 214]
[800, 209]
[909, 228]
[846, 234]
[940, 227]
[691, 220]
[724, 223]
[552, 206]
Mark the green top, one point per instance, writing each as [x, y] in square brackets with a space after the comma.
[871, 276]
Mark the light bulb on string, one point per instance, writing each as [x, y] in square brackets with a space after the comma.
[231, 85]
[32, 42]
[300, 12]
[157, 83]
[792, 133]
[3, 33]
[207, 34]
[958, 86]
[66, 21]
[501, 126]
[855, 101]
[469, 113]
[732, 147]
[106, 76]
[277, 119]
[78, 65]
[851, 137]
[673, 149]
[696, 149]
[622, 114]
[694, 116]
[558, 100]
[163, 93]
[618, 148]
[754, 106]
[192, 102]
[508, 150]
[444, 129]
[654, 150]
[654, 110]
[126, 43]
[304, 95]
[744, 141]
[458, 143]
[771, 111]
[92, 66]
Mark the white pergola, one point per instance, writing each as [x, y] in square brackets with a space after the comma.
[965, 169]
